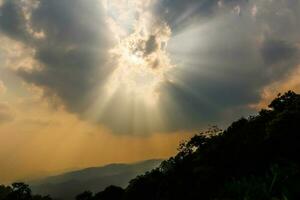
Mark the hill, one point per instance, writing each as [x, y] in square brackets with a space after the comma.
[66, 186]
[255, 158]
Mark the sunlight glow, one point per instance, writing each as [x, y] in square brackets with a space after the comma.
[131, 99]
[140, 58]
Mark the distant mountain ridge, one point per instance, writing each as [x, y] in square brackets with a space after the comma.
[67, 185]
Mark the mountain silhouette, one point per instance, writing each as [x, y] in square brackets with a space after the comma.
[255, 158]
[67, 185]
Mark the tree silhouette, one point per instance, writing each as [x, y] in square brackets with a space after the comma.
[19, 191]
[87, 195]
[255, 158]
[110, 193]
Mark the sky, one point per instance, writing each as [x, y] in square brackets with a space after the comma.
[90, 82]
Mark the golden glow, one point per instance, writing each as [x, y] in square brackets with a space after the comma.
[140, 58]
[38, 131]
[291, 81]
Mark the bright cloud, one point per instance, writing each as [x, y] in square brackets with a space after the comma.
[127, 70]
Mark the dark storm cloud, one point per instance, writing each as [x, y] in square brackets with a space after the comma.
[72, 52]
[276, 51]
[230, 53]
[151, 45]
[235, 57]
[178, 13]
[71, 22]
[12, 21]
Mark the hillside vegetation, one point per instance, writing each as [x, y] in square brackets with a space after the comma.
[255, 158]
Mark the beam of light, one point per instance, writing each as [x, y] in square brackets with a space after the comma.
[134, 96]
[141, 60]
[140, 64]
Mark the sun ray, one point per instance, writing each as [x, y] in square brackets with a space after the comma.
[140, 65]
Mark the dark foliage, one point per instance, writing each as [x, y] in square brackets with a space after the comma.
[254, 159]
[110, 193]
[19, 191]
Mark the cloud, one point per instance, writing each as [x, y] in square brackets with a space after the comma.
[180, 13]
[224, 60]
[290, 81]
[219, 56]
[12, 21]
[254, 11]
[151, 45]
[276, 51]
[71, 50]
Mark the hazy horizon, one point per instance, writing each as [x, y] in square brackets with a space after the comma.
[87, 83]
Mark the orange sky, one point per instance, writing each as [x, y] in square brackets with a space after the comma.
[41, 141]
[291, 81]
[43, 133]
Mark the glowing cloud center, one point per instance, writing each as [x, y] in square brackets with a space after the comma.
[139, 57]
